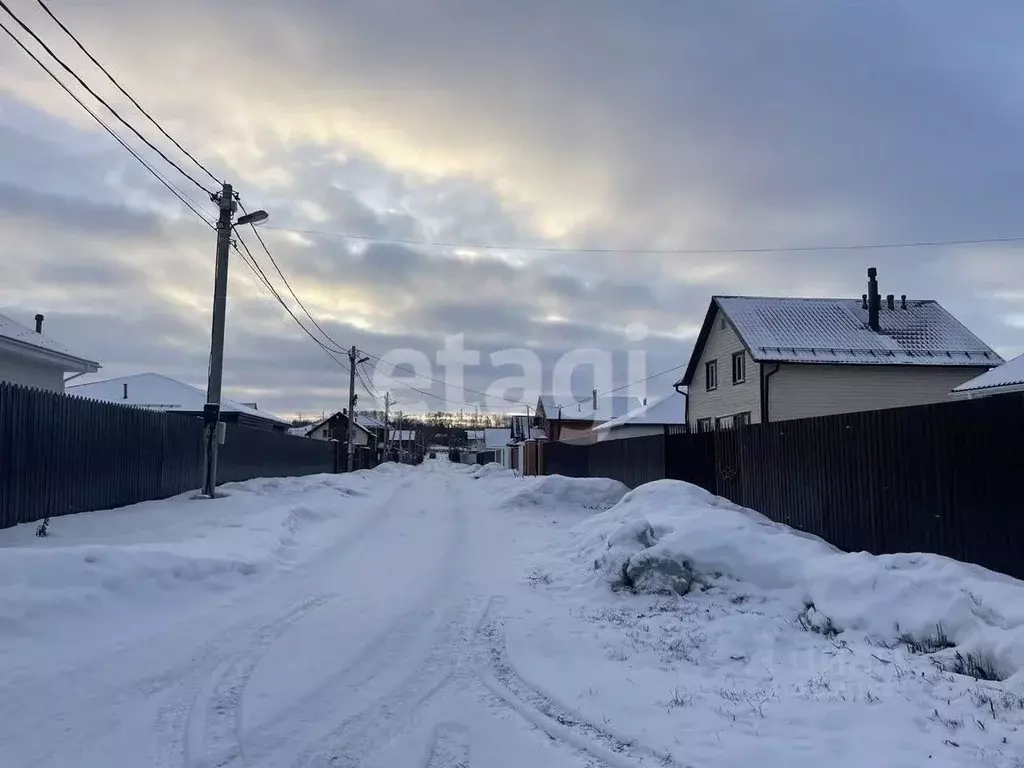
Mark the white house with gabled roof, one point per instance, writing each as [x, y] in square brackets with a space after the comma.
[157, 392]
[30, 359]
[760, 359]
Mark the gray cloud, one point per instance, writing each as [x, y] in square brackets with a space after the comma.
[669, 124]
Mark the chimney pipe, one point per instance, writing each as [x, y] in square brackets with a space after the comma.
[595, 399]
[125, 395]
[39, 323]
[863, 301]
[903, 301]
[874, 299]
[891, 301]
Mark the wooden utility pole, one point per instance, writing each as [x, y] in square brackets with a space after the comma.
[353, 361]
[387, 443]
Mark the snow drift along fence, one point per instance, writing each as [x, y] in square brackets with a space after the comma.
[940, 478]
[60, 455]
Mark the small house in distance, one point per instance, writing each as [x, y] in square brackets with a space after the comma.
[760, 359]
[30, 359]
[162, 393]
[649, 419]
[574, 422]
[335, 427]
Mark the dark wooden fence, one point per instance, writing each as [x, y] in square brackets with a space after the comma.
[937, 478]
[60, 455]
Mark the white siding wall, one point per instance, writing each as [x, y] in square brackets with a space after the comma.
[633, 430]
[729, 398]
[801, 391]
[30, 374]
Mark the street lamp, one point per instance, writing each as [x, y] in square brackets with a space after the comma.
[256, 217]
[211, 411]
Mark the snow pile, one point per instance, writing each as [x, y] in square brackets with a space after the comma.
[123, 556]
[930, 602]
[490, 470]
[554, 491]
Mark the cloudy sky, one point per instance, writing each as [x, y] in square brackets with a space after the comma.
[605, 124]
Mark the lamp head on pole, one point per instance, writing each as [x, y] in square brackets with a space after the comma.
[256, 217]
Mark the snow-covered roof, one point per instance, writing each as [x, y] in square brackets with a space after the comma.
[370, 422]
[1008, 377]
[608, 407]
[161, 393]
[20, 338]
[475, 434]
[496, 438]
[836, 331]
[669, 409]
[313, 427]
[299, 431]
[403, 435]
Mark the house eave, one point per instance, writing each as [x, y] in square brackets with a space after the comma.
[67, 363]
[1003, 389]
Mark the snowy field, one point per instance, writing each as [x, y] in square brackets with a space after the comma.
[444, 616]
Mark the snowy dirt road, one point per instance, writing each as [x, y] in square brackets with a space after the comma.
[368, 640]
[447, 617]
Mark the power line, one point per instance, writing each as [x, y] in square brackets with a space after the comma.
[657, 251]
[338, 347]
[100, 99]
[110, 77]
[185, 199]
[630, 384]
[262, 276]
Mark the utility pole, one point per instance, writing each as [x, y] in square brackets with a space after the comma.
[353, 361]
[211, 411]
[387, 405]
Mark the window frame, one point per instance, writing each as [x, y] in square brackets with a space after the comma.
[709, 367]
[742, 358]
[705, 425]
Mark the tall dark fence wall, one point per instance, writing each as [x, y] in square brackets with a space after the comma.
[633, 462]
[937, 478]
[60, 455]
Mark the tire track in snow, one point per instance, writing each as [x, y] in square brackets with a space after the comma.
[397, 642]
[560, 722]
[449, 747]
[219, 736]
[364, 732]
[201, 679]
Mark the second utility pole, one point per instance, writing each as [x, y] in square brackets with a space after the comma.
[353, 361]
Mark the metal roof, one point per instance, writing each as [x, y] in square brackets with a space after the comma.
[1007, 377]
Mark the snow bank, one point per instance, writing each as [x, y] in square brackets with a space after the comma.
[129, 555]
[490, 470]
[888, 599]
[591, 493]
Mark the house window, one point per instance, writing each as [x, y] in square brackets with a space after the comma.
[739, 368]
[721, 323]
[724, 422]
[711, 375]
[704, 425]
[742, 419]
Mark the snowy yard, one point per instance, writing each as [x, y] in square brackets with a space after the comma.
[446, 616]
